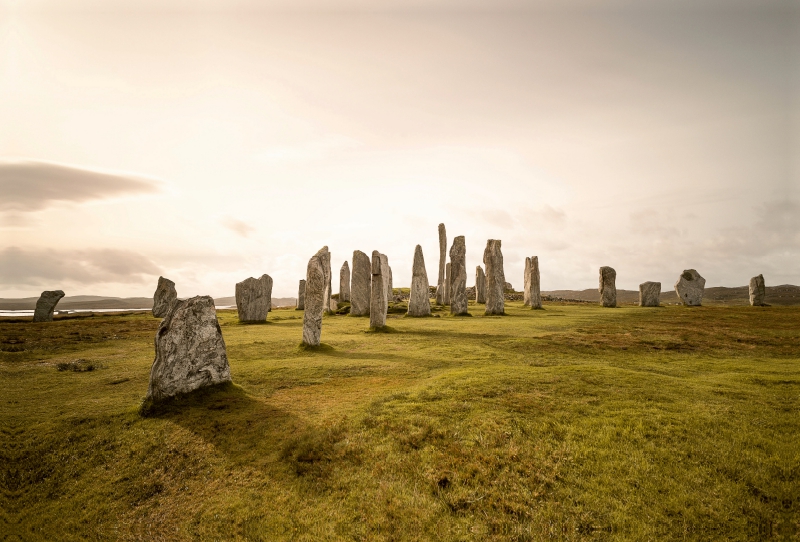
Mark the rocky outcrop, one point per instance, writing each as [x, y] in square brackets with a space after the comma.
[608, 286]
[649, 294]
[378, 305]
[757, 291]
[315, 300]
[46, 304]
[190, 350]
[440, 284]
[254, 298]
[458, 277]
[163, 297]
[531, 294]
[301, 295]
[495, 277]
[344, 282]
[360, 284]
[480, 285]
[690, 288]
[419, 302]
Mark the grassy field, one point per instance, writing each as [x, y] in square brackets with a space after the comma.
[573, 422]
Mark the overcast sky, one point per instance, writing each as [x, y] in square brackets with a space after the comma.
[216, 144]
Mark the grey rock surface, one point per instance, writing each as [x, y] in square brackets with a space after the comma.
[757, 291]
[301, 295]
[190, 350]
[344, 282]
[254, 298]
[46, 304]
[531, 294]
[608, 286]
[378, 303]
[360, 284]
[690, 288]
[315, 301]
[448, 273]
[325, 260]
[649, 294]
[419, 302]
[389, 284]
[480, 285]
[440, 284]
[509, 287]
[163, 297]
[495, 277]
[458, 276]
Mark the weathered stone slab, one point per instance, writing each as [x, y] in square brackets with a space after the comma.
[495, 277]
[46, 304]
[301, 295]
[315, 301]
[758, 291]
[458, 277]
[419, 302]
[325, 260]
[480, 285]
[378, 303]
[163, 297]
[254, 298]
[448, 273]
[389, 284]
[360, 284]
[608, 286]
[344, 282]
[531, 295]
[690, 288]
[649, 294]
[440, 284]
[190, 350]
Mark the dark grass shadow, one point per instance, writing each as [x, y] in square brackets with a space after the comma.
[321, 348]
[382, 329]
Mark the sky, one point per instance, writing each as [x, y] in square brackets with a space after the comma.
[212, 141]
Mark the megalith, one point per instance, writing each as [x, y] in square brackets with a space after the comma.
[757, 291]
[344, 282]
[419, 301]
[46, 304]
[315, 301]
[360, 284]
[480, 285]
[325, 260]
[690, 287]
[531, 295]
[608, 287]
[190, 350]
[378, 304]
[163, 297]
[448, 273]
[495, 277]
[649, 294]
[440, 284]
[389, 285]
[458, 277]
[254, 298]
[301, 295]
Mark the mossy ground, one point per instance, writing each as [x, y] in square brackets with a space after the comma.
[569, 423]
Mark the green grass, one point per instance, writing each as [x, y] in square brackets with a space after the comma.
[569, 423]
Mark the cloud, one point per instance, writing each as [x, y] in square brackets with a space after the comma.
[238, 226]
[54, 267]
[27, 185]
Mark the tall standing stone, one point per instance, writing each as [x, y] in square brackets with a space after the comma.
[419, 301]
[378, 304]
[389, 284]
[384, 273]
[440, 284]
[344, 282]
[480, 285]
[448, 273]
[163, 297]
[46, 304]
[458, 277]
[495, 277]
[190, 350]
[315, 301]
[649, 294]
[325, 260]
[608, 287]
[360, 284]
[301, 295]
[690, 288]
[532, 295]
[254, 298]
[757, 291]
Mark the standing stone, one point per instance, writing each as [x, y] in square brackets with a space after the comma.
[389, 285]
[315, 301]
[378, 304]
[458, 277]
[360, 284]
[495, 277]
[419, 301]
[608, 287]
[190, 350]
[690, 287]
[344, 282]
[480, 285]
[254, 298]
[532, 295]
[301, 295]
[384, 273]
[163, 297]
[649, 294]
[46, 304]
[757, 291]
[440, 284]
[508, 287]
[325, 260]
[448, 273]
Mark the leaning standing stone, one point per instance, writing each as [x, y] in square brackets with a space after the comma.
[301, 295]
[458, 277]
[344, 282]
[649, 294]
[532, 295]
[360, 284]
[190, 350]
[46, 304]
[419, 302]
[495, 277]
[163, 297]
[254, 298]
[378, 304]
[440, 284]
[757, 291]
[690, 287]
[480, 285]
[608, 287]
[314, 301]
